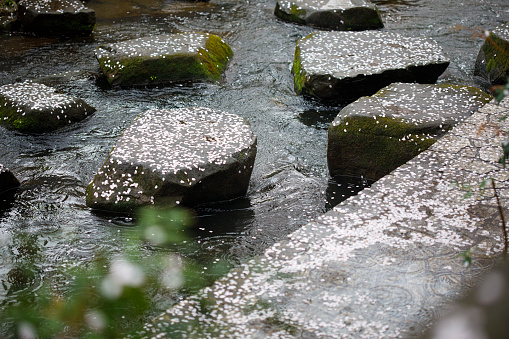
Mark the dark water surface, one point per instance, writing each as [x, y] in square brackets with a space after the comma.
[290, 183]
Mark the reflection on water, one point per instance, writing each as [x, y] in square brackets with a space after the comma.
[290, 184]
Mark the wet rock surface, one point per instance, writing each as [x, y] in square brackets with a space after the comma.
[8, 185]
[56, 17]
[385, 263]
[7, 180]
[342, 15]
[179, 57]
[492, 64]
[374, 135]
[482, 313]
[34, 108]
[181, 156]
[342, 66]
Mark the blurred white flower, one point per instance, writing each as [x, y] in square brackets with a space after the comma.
[172, 276]
[95, 320]
[26, 331]
[156, 235]
[122, 273]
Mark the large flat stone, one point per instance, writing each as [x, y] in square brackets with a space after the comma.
[492, 63]
[374, 135]
[342, 66]
[164, 59]
[181, 156]
[56, 17]
[34, 108]
[341, 15]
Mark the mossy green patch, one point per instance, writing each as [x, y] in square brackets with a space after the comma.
[478, 93]
[293, 14]
[146, 71]
[496, 53]
[299, 77]
[373, 147]
[207, 64]
[14, 120]
[215, 56]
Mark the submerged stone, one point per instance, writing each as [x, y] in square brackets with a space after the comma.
[342, 66]
[341, 15]
[56, 17]
[164, 59]
[374, 135]
[492, 63]
[34, 108]
[180, 156]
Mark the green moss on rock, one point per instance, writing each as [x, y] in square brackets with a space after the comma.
[293, 14]
[35, 108]
[206, 62]
[11, 118]
[299, 77]
[373, 147]
[492, 63]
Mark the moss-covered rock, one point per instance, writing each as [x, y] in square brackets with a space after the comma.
[8, 15]
[331, 14]
[164, 59]
[181, 156]
[342, 66]
[56, 17]
[34, 108]
[492, 63]
[374, 135]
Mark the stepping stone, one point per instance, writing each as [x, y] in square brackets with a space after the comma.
[56, 17]
[492, 63]
[164, 59]
[342, 66]
[341, 15]
[374, 135]
[33, 108]
[180, 156]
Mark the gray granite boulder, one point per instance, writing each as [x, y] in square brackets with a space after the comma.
[181, 156]
[492, 63]
[8, 182]
[374, 135]
[164, 59]
[34, 108]
[342, 66]
[8, 15]
[341, 15]
[56, 17]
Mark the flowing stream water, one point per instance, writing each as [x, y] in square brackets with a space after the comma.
[290, 184]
